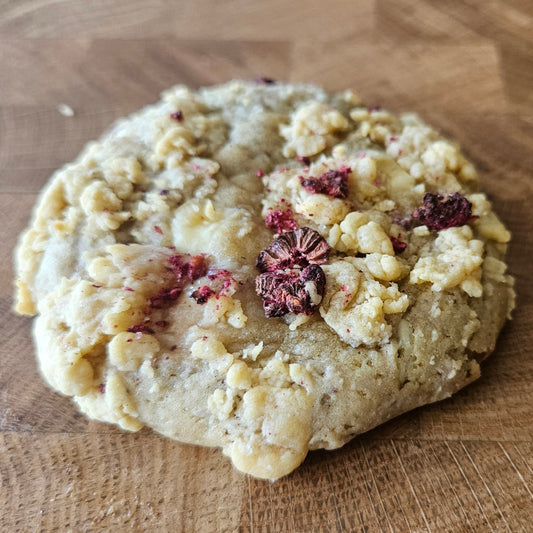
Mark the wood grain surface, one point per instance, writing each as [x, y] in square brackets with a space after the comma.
[465, 464]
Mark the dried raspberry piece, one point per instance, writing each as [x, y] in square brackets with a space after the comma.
[217, 273]
[332, 182]
[299, 247]
[196, 267]
[280, 221]
[165, 297]
[291, 291]
[398, 245]
[441, 212]
[265, 81]
[179, 266]
[186, 268]
[189, 267]
[306, 160]
[177, 115]
[407, 222]
[291, 280]
[202, 294]
[143, 327]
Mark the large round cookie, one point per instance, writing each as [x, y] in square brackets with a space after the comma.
[263, 267]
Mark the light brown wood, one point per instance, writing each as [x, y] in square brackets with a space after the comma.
[465, 464]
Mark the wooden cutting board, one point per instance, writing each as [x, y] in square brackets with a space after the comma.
[465, 464]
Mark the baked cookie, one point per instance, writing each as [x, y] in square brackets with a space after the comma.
[263, 267]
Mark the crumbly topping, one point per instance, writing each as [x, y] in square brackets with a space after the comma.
[452, 260]
[357, 233]
[356, 304]
[312, 129]
[486, 221]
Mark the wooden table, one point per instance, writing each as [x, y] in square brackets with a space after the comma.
[465, 464]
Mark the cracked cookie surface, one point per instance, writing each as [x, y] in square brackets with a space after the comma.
[151, 260]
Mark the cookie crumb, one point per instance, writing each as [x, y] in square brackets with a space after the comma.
[65, 110]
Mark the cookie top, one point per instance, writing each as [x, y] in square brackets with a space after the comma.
[264, 267]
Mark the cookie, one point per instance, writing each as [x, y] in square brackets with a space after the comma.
[263, 267]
